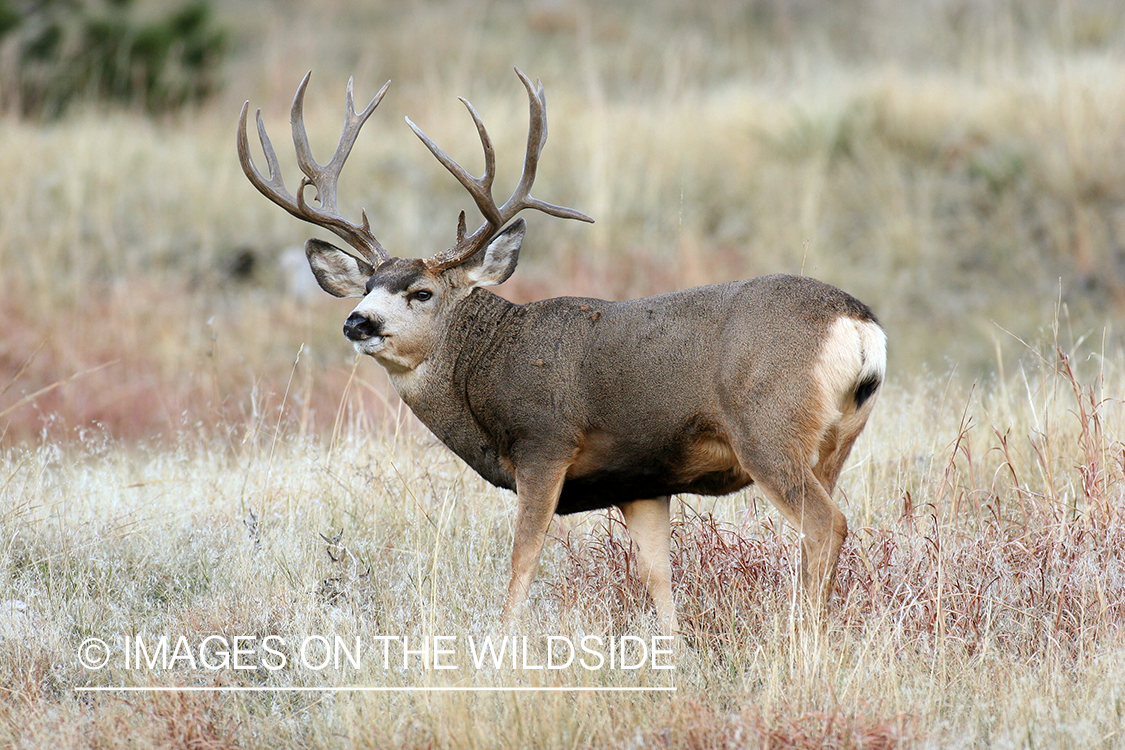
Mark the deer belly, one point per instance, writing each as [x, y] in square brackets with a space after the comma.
[706, 465]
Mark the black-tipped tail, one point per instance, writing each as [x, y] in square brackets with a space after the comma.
[865, 389]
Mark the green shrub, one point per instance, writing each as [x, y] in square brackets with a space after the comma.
[60, 52]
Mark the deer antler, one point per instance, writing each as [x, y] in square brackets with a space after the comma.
[322, 177]
[480, 188]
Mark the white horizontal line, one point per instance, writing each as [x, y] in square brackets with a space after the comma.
[364, 689]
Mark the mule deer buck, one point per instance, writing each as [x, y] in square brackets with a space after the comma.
[579, 404]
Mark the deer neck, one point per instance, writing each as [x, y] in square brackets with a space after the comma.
[438, 390]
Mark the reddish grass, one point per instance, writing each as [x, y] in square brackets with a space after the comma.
[1018, 587]
[138, 363]
[701, 726]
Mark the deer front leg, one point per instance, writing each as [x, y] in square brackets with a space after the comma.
[537, 490]
[650, 529]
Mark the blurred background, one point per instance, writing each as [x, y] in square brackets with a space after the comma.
[959, 165]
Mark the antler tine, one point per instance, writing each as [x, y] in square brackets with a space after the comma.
[322, 177]
[305, 159]
[274, 187]
[486, 179]
[461, 226]
[481, 188]
[536, 140]
[486, 143]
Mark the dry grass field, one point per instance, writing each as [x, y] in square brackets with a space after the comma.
[980, 601]
[189, 449]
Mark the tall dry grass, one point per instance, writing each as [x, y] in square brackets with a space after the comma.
[980, 598]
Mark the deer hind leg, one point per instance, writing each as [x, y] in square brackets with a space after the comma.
[537, 492]
[823, 529]
[799, 494]
[649, 527]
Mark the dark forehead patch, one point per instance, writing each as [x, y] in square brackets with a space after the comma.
[396, 275]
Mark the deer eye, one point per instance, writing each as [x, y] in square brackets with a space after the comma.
[421, 295]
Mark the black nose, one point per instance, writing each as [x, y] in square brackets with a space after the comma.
[359, 327]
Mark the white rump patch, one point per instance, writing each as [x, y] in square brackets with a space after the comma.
[853, 351]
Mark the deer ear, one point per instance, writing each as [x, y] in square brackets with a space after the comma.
[495, 263]
[338, 273]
